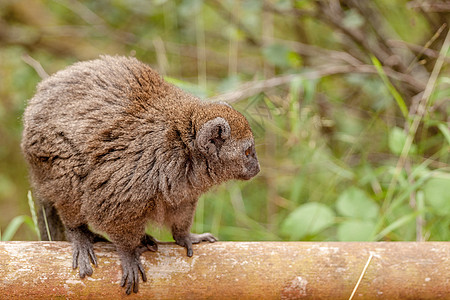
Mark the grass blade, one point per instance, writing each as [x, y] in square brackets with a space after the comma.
[14, 225]
[445, 131]
[400, 222]
[398, 98]
[361, 276]
[33, 213]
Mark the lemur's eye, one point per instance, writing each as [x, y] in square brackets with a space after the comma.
[248, 151]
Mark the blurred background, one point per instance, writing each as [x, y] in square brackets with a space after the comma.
[348, 101]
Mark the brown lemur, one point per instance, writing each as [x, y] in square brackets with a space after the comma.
[112, 145]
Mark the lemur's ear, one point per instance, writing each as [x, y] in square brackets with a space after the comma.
[212, 135]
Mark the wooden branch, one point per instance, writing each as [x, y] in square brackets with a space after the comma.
[431, 6]
[254, 87]
[419, 50]
[35, 65]
[235, 270]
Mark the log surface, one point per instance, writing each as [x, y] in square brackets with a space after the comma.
[235, 270]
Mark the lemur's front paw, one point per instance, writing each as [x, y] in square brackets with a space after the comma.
[203, 237]
[192, 238]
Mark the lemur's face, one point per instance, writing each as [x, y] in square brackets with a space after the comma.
[227, 143]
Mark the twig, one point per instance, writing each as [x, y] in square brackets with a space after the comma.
[230, 16]
[417, 118]
[372, 15]
[97, 22]
[421, 50]
[83, 11]
[312, 50]
[361, 277]
[35, 65]
[233, 47]
[294, 12]
[355, 35]
[161, 56]
[430, 7]
[251, 88]
[201, 52]
[428, 44]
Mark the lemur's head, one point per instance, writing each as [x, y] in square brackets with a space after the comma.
[224, 138]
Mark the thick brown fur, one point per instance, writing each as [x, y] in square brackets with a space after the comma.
[111, 145]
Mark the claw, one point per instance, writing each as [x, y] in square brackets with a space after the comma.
[92, 256]
[75, 259]
[190, 252]
[192, 238]
[141, 269]
[124, 279]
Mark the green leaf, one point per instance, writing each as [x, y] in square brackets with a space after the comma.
[307, 219]
[397, 139]
[354, 202]
[6, 186]
[278, 55]
[295, 60]
[228, 84]
[437, 194]
[283, 4]
[188, 87]
[297, 188]
[352, 19]
[33, 213]
[396, 225]
[445, 131]
[355, 231]
[15, 223]
[398, 98]
[189, 8]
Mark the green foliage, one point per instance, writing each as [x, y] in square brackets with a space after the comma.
[355, 203]
[397, 140]
[33, 214]
[398, 98]
[281, 56]
[437, 195]
[14, 225]
[355, 230]
[340, 154]
[361, 213]
[307, 219]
